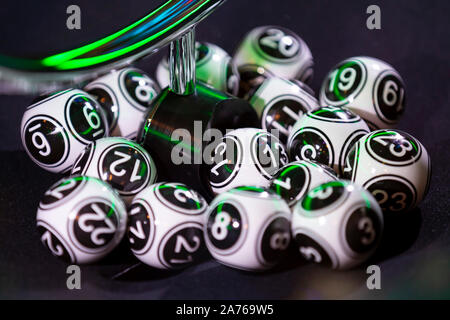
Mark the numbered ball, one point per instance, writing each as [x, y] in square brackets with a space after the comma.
[165, 228]
[245, 156]
[248, 228]
[367, 86]
[278, 50]
[251, 77]
[81, 219]
[57, 127]
[213, 66]
[125, 95]
[337, 224]
[393, 166]
[280, 103]
[297, 178]
[326, 135]
[122, 163]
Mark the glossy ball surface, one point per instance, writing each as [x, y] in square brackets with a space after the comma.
[81, 219]
[248, 228]
[369, 87]
[56, 128]
[165, 228]
[393, 166]
[337, 224]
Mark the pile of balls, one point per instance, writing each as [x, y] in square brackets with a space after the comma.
[331, 179]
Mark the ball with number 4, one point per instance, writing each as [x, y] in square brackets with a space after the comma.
[248, 228]
[165, 228]
[122, 163]
[337, 224]
[246, 156]
[81, 219]
[57, 127]
[393, 166]
[278, 50]
[326, 135]
[125, 95]
[369, 87]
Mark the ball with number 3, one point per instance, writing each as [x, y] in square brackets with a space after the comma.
[57, 127]
[125, 96]
[369, 87]
[337, 224]
[122, 163]
[248, 228]
[394, 166]
[165, 228]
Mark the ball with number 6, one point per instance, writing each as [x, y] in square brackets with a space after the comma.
[81, 219]
[248, 228]
[165, 228]
[369, 87]
[393, 166]
[337, 224]
[57, 127]
[125, 95]
[122, 163]
[246, 156]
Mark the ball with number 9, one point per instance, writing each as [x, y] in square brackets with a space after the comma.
[393, 166]
[122, 163]
[125, 95]
[246, 156]
[369, 87]
[278, 50]
[165, 228]
[57, 127]
[248, 228]
[337, 224]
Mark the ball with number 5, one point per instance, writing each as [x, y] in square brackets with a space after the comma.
[248, 228]
[369, 87]
[165, 228]
[122, 163]
[393, 166]
[57, 127]
[125, 95]
[246, 156]
[337, 224]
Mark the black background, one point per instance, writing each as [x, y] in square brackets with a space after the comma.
[414, 257]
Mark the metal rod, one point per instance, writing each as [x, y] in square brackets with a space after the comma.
[182, 64]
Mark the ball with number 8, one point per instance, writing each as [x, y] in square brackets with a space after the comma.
[369, 87]
[165, 228]
[122, 163]
[246, 156]
[125, 96]
[337, 224]
[248, 228]
[81, 219]
[393, 166]
[278, 50]
[57, 127]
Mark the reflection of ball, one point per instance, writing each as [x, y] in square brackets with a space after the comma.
[278, 50]
[125, 96]
[122, 163]
[248, 228]
[326, 135]
[57, 127]
[337, 224]
[280, 103]
[166, 226]
[81, 219]
[213, 66]
[297, 178]
[245, 156]
[394, 166]
[369, 87]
